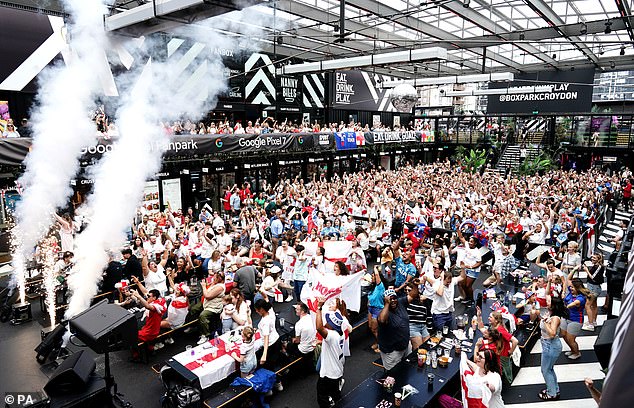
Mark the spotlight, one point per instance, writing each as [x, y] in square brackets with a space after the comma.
[612, 64]
[572, 68]
[601, 50]
[426, 67]
[608, 27]
[465, 3]
[622, 50]
[554, 56]
[336, 28]
[584, 29]
[522, 36]
[280, 40]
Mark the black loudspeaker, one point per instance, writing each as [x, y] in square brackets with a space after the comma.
[72, 375]
[105, 327]
[603, 343]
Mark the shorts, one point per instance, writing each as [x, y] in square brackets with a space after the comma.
[374, 311]
[594, 289]
[249, 366]
[572, 328]
[390, 360]
[525, 318]
[418, 330]
[472, 273]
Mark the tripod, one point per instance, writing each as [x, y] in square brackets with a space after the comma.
[111, 386]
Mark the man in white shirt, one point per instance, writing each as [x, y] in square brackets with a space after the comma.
[303, 344]
[442, 307]
[332, 359]
[153, 247]
[223, 240]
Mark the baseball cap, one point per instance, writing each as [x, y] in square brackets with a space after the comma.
[334, 320]
[390, 293]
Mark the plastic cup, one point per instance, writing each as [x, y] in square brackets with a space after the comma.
[214, 352]
[445, 330]
[421, 360]
[282, 321]
[446, 352]
[397, 399]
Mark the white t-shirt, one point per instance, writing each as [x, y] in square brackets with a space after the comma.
[224, 242]
[156, 280]
[305, 330]
[496, 396]
[267, 327]
[332, 358]
[444, 303]
[471, 257]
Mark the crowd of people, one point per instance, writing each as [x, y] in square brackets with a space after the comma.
[416, 233]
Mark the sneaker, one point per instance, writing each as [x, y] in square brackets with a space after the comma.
[169, 340]
[574, 356]
[341, 383]
[458, 299]
[278, 387]
[269, 393]
[203, 339]
[158, 346]
[188, 330]
[567, 353]
[588, 327]
[289, 298]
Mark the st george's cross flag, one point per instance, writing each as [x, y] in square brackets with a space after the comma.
[330, 286]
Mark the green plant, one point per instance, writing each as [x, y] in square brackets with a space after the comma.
[473, 160]
[539, 164]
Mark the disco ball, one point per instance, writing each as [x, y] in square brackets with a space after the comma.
[403, 97]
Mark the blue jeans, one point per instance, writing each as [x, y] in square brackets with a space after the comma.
[297, 288]
[551, 349]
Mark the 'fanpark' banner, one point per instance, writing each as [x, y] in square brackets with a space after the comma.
[14, 151]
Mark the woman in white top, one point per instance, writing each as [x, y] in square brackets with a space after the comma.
[153, 273]
[570, 259]
[270, 350]
[486, 375]
[66, 231]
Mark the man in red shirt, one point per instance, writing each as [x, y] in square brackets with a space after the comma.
[627, 194]
[245, 192]
[155, 306]
[226, 200]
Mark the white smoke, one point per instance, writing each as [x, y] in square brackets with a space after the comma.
[155, 95]
[61, 127]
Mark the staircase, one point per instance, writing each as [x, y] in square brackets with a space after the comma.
[510, 157]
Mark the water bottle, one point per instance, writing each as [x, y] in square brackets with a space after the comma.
[507, 299]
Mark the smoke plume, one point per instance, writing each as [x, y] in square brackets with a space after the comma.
[61, 127]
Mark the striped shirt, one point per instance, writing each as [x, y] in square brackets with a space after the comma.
[417, 313]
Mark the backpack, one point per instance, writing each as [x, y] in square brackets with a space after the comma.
[182, 396]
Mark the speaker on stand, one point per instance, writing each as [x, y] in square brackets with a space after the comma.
[104, 328]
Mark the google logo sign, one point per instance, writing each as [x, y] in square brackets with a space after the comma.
[218, 143]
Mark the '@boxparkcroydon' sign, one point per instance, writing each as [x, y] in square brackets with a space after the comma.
[565, 91]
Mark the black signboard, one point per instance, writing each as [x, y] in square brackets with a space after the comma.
[289, 94]
[359, 90]
[570, 91]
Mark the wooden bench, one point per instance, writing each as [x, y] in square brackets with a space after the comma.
[233, 394]
[142, 346]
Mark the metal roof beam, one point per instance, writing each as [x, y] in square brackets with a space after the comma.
[457, 7]
[546, 13]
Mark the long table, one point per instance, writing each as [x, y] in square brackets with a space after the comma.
[210, 362]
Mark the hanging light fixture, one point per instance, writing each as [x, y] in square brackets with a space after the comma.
[608, 27]
[622, 52]
[584, 29]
